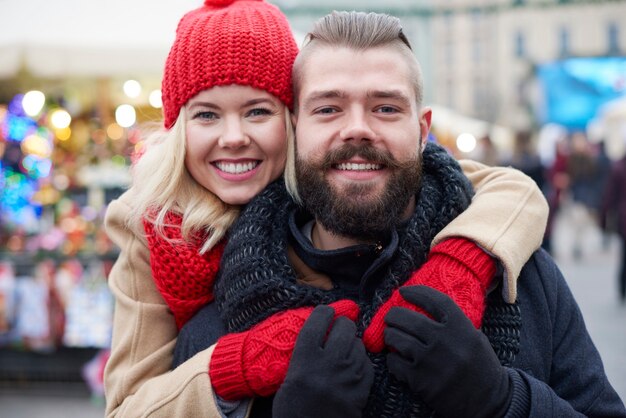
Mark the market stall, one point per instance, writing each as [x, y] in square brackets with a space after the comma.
[77, 82]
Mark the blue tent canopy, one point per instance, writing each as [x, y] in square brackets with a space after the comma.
[576, 88]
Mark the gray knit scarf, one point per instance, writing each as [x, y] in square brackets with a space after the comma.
[256, 279]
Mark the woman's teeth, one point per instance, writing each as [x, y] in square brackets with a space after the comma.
[236, 168]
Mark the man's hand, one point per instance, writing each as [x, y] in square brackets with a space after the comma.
[445, 360]
[330, 374]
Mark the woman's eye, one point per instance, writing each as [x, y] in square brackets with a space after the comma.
[205, 115]
[259, 111]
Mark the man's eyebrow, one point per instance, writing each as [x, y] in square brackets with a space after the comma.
[322, 94]
[390, 94]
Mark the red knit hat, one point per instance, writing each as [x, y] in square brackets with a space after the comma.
[246, 42]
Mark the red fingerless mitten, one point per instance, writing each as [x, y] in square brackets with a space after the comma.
[457, 267]
[183, 276]
[255, 362]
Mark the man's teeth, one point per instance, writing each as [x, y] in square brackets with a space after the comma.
[236, 168]
[358, 166]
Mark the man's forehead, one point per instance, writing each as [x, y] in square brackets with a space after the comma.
[332, 71]
[326, 55]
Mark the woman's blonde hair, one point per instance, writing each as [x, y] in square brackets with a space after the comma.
[162, 184]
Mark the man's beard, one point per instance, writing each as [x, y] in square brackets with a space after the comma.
[355, 211]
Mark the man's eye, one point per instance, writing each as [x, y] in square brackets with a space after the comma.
[205, 115]
[386, 109]
[259, 111]
[326, 110]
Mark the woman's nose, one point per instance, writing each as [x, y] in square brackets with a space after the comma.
[233, 135]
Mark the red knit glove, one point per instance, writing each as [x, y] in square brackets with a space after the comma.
[456, 267]
[183, 276]
[255, 362]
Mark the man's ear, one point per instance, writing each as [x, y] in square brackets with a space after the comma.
[425, 119]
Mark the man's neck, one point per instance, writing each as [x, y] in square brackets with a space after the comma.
[323, 239]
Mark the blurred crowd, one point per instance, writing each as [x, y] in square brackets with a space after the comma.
[582, 184]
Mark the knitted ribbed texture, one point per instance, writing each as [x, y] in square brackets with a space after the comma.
[182, 275]
[501, 324]
[520, 401]
[456, 267]
[245, 42]
[256, 279]
[255, 362]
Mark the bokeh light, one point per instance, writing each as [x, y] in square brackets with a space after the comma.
[63, 134]
[132, 88]
[37, 167]
[115, 131]
[33, 102]
[60, 119]
[125, 115]
[466, 142]
[18, 127]
[61, 182]
[155, 99]
[36, 145]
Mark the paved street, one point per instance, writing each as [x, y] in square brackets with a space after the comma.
[591, 278]
[46, 401]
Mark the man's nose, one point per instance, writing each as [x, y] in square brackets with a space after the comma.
[357, 127]
[233, 134]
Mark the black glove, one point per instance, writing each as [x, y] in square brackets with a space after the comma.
[446, 361]
[328, 376]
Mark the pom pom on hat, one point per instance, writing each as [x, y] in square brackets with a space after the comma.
[245, 42]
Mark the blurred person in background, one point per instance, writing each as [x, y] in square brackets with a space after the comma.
[486, 151]
[557, 185]
[526, 159]
[359, 231]
[603, 164]
[613, 214]
[582, 193]
[226, 100]
[603, 170]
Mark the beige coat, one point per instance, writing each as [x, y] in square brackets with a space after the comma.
[507, 217]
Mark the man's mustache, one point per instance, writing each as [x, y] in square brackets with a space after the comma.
[367, 152]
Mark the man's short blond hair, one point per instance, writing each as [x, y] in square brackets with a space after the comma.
[358, 31]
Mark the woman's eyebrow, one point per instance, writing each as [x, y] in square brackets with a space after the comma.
[203, 104]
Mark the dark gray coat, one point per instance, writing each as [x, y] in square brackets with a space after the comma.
[561, 373]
